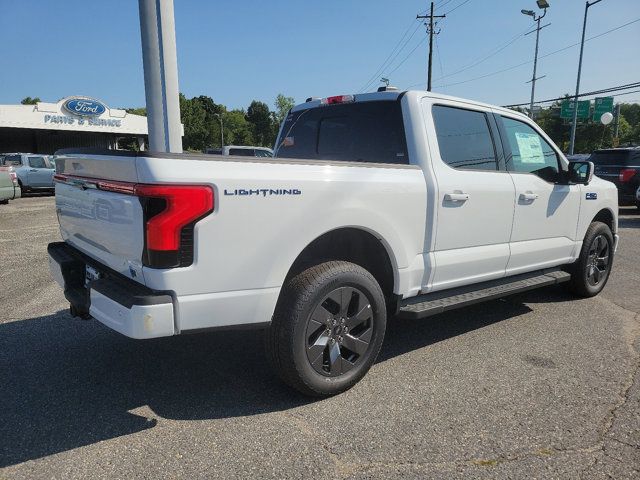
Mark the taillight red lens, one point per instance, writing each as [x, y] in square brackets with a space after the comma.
[184, 204]
[627, 174]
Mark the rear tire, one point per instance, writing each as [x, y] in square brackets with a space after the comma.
[327, 329]
[589, 274]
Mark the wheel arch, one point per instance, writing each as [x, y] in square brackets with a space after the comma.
[606, 216]
[358, 245]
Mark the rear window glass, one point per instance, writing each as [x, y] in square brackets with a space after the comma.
[356, 132]
[612, 157]
[14, 160]
[242, 152]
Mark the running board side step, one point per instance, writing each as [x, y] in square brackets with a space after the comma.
[445, 300]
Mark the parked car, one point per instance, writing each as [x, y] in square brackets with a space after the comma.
[620, 166]
[35, 172]
[9, 187]
[242, 151]
[408, 203]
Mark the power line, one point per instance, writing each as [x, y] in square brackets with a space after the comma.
[487, 57]
[587, 94]
[439, 57]
[407, 57]
[441, 3]
[457, 7]
[390, 60]
[530, 61]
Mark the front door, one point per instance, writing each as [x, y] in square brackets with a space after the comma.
[39, 173]
[546, 211]
[475, 197]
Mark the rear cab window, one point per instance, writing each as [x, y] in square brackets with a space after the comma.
[370, 132]
[464, 138]
[12, 160]
[242, 152]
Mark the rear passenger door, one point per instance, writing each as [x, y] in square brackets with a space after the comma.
[475, 197]
[546, 209]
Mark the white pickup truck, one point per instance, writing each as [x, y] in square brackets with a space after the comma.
[383, 204]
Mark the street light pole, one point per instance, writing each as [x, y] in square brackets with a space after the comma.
[159, 60]
[537, 19]
[572, 140]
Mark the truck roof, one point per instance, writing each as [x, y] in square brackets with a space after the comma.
[395, 94]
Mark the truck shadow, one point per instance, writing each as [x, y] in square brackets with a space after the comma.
[69, 383]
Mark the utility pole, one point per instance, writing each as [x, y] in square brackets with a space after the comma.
[537, 19]
[431, 16]
[572, 140]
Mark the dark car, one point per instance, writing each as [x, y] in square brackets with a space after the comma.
[622, 167]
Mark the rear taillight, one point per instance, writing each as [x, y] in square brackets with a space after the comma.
[14, 177]
[627, 174]
[170, 214]
[171, 211]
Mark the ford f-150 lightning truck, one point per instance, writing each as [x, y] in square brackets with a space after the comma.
[383, 204]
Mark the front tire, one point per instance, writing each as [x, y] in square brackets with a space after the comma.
[327, 329]
[589, 274]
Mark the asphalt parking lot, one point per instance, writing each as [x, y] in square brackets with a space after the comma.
[539, 385]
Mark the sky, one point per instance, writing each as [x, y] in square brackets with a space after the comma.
[236, 51]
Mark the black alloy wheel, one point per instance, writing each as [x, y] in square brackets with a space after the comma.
[597, 268]
[339, 331]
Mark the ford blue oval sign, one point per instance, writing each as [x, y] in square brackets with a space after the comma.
[84, 107]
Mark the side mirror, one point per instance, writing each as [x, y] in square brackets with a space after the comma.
[580, 172]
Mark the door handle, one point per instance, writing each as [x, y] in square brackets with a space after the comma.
[456, 197]
[528, 196]
[33, 169]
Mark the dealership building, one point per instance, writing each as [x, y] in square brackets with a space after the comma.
[69, 123]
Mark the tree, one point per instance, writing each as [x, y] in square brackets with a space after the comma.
[283, 105]
[237, 130]
[137, 111]
[192, 116]
[30, 101]
[259, 116]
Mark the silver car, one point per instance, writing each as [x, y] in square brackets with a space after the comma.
[35, 171]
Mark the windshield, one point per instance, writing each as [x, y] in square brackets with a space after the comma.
[353, 132]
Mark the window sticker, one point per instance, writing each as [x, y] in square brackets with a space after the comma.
[530, 147]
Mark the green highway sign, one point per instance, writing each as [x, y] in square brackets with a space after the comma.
[566, 109]
[602, 105]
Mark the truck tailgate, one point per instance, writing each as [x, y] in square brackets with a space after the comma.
[107, 226]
